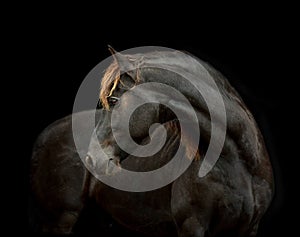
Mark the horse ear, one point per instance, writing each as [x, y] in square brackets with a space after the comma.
[112, 51]
[125, 65]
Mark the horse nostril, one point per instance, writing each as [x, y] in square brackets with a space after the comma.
[89, 161]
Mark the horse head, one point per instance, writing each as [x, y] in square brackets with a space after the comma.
[140, 98]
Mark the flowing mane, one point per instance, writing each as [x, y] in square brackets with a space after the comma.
[167, 59]
[111, 78]
[109, 82]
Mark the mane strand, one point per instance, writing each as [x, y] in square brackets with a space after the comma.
[109, 83]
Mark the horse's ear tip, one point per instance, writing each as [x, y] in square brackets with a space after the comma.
[111, 49]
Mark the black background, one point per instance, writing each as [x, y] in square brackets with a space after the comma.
[253, 53]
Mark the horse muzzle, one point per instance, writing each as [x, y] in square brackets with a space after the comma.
[105, 167]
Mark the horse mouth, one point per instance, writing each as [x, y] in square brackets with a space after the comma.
[112, 166]
[108, 167]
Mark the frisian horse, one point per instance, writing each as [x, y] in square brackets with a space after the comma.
[230, 199]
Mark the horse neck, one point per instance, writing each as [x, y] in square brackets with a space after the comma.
[239, 118]
[144, 164]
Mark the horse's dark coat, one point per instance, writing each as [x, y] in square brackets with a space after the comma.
[229, 201]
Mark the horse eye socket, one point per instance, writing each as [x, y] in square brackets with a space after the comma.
[113, 100]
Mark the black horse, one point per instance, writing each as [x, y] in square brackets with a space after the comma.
[228, 201]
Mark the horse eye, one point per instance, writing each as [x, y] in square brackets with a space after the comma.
[113, 100]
